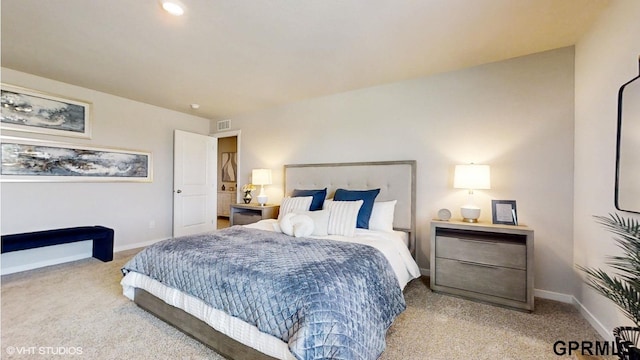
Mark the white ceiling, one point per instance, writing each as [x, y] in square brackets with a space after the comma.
[237, 56]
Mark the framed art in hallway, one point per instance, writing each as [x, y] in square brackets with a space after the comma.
[504, 212]
[29, 160]
[229, 166]
[38, 112]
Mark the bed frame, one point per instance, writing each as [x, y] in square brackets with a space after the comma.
[396, 180]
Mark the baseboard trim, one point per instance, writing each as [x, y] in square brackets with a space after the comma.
[551, 295]
[570, 299]
[593, 321]
[136, 245]
[425, 272]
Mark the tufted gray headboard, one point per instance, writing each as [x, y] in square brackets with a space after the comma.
[396, 180]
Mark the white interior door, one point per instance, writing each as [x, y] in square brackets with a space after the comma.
[194, 183]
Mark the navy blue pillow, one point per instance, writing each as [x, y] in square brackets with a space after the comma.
[368, 196]
[318, 197]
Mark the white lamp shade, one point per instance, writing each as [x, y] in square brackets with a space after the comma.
[261, 176]
[472, 177]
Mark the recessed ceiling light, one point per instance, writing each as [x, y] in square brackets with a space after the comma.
[173, 7]
[195, 106]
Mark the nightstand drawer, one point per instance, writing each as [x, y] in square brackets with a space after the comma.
[499, 253]
[244, 214]
[246, 218]
[490, 280]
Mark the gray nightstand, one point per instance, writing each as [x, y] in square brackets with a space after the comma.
[243, 214]
[486, 262]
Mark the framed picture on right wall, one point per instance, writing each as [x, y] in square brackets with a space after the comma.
[504, 212]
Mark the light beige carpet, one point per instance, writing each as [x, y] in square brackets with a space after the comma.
[79, 308]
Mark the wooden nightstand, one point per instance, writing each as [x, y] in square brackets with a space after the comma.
[486, 262]
[243, 214]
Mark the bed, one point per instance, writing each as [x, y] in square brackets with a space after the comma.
[335, 295]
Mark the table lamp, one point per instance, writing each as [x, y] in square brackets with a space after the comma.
[261, 177]
[471, 177]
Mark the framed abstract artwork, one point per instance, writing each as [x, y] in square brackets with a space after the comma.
[229, 166]
[29, 160]
[38, 112]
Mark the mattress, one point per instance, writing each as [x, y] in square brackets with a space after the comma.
[391, 244]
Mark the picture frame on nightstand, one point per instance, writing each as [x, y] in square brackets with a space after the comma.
[504, 212]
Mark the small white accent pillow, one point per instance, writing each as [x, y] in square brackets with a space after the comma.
[292, 204]
[382, 215]
[302, 225]
[320, 221]
[285, 224]
[297, 225]
[343, 216]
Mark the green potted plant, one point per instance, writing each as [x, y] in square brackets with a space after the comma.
[623, 288]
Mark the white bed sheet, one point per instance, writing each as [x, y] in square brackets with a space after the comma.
[391, 244]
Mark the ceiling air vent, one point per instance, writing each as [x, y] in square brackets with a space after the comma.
[224, 125]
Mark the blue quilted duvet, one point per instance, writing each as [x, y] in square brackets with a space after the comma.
[326, 299]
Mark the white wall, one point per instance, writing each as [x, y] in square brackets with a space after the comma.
[515, 115]
[128, 208]
[606, 58]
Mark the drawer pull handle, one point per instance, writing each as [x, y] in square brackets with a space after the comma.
[477, 264]
[490, 242]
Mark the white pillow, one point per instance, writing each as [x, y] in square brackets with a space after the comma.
[382, 215]
[285, 225]
[343, 216]
[320, 221]
[327, 204]
[298, 225]
[291, 204]
[302, 225]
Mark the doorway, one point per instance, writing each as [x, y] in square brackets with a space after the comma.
[228, 170]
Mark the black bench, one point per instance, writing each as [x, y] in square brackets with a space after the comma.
[102, 240]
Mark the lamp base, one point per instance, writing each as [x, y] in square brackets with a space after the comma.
[262, 200]
[470, 214]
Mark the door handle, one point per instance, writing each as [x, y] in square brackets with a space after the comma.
[179, 191]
